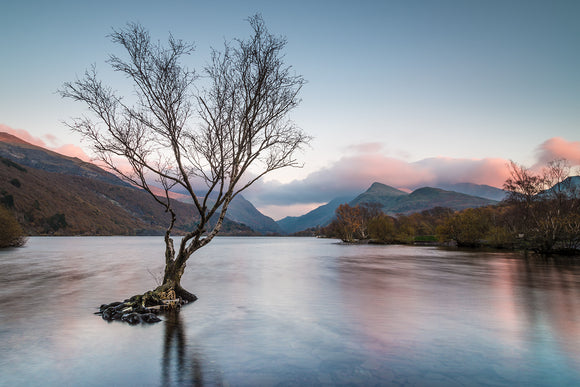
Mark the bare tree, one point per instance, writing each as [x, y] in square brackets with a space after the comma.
[544, 206]
[182, 135]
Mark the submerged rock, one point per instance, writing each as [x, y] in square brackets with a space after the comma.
[132, 318]
[138, 309]
[150, 318]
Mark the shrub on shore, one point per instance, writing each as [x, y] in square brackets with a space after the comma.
[11, 234]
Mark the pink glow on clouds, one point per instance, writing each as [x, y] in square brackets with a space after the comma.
[354, 173]
[363, 168]
[369, 166]
[51, 139]
[489, 171]
[67, 149]
[72, 151]
[557, 147]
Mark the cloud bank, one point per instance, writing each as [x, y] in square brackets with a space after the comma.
[353, 173]
[557, 147]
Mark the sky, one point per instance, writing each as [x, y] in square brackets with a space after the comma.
[406, 93]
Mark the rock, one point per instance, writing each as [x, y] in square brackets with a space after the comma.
[141, 308]
[108, 314]
[127, 312]
[131, 318]
[150, 318]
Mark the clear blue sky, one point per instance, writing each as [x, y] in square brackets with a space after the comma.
[393, 86]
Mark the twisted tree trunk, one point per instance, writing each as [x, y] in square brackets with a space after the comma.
[172, 280]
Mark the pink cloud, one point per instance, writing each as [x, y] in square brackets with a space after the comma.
[51, 138]
[489, 171]
[557, 147]
[72, 151]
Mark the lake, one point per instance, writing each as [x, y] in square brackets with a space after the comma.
[289, 311]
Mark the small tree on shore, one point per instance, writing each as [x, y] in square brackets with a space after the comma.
[204, 141]
[11, 234]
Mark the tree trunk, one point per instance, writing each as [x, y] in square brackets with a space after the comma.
[172, 280]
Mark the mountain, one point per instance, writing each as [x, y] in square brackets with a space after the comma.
[392, 201]
[320, 216]
[244, 212]
[479, 190]
[54, 194]
[571, 185]
[379, 193]
[28, 155]
[427, 198]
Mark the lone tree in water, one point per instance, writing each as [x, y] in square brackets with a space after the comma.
[201, 140]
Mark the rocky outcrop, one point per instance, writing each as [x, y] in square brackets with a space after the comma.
[142, 308]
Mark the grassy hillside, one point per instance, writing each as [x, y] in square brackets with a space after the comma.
[49, 203]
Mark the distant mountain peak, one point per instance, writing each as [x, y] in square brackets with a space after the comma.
[381, 188]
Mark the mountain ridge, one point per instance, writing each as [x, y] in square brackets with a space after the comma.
[29, 155]
[393, 201]
[34, 181]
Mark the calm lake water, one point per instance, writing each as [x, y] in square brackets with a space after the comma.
[289, 311]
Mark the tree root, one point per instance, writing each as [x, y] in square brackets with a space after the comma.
[144, 308]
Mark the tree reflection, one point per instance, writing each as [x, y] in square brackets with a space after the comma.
[552, 299]
[182, 364]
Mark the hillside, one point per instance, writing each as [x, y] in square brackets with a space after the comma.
[58, 204]
[54, 194]
[28, 155]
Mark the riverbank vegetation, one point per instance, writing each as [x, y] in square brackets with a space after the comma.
[541, 213]
[11, 234]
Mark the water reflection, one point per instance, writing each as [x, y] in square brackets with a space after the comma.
[183, 362]
[289, 311]
[460, 316]
[548, 294]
